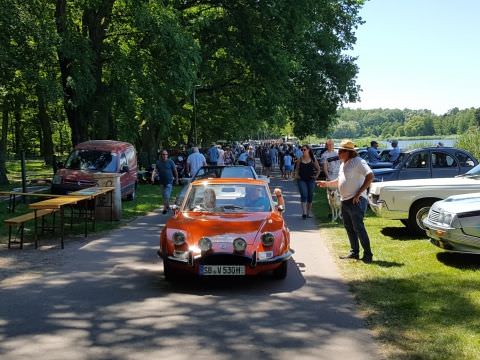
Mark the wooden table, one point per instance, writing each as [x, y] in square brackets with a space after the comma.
[13, 194]
[58, 203]
[93, 193]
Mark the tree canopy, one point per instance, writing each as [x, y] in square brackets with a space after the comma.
[130, 70]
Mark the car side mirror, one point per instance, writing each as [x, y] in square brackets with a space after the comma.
[175, 209]
[124, 169]
[280, 208]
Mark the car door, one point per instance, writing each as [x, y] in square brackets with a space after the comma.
[416, 166]
[443, 164]
[466, 162]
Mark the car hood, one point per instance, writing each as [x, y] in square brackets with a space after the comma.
[417, 184]
[75, 175]
[223, 227]
[458, 204]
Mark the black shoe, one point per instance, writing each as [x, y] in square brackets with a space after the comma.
[164, 211]
[367, 259]
[304, 216]
[350, 256]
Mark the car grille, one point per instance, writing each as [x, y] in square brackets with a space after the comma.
[225, 259]
[434, 216]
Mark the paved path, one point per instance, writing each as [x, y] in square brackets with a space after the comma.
[106, 298]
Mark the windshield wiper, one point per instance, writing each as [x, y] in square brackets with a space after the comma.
[232, 207]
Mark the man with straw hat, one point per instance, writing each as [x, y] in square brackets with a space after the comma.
[354, 178]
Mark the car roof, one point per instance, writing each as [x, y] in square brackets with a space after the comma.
[103, 145]
[240, 181]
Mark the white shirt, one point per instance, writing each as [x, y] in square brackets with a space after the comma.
[351, 177]
[195, 160]
[332, 166]
[221, 157]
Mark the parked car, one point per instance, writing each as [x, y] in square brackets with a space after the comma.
[382, 163]
[410, 200]
[453, 224]
[97, 156]
[226, 227]
[428, 162]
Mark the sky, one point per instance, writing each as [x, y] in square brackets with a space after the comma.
[419, 54]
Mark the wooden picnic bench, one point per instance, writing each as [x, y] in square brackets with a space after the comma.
[20, 221]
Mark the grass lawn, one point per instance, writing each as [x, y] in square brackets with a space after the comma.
[421, 302]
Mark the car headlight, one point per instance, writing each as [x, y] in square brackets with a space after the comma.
[239, 244]
[268, 239]
[178, 238]
[57, 179]
[205, 244]
[445, 218]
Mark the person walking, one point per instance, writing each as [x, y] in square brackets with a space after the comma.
[354, 178]
[221, 156]
[212, 154]
[306, 172]
[372, 152]
[195, 161]
[330, 161]
[395, 152]
[167, 172]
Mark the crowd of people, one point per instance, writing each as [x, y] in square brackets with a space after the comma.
[343, 169]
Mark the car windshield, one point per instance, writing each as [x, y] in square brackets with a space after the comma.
[225, 172]
[92, 160]
[223, 198]
[473, 172]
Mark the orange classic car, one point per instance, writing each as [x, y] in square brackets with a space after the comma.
[226, 227]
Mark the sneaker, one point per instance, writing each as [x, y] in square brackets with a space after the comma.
[350, 256]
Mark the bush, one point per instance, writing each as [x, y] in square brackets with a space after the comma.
[470, 141]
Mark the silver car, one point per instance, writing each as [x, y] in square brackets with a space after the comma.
[453, 224]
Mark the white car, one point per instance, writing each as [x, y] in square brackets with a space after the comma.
[410, 200]
[454, 223]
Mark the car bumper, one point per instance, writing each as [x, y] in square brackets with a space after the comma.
[451, 239]
[253, 266]
[381, 209]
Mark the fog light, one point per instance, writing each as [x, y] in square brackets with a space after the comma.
[268, 239]
[205, 244]
[440, 232]
[239, 244]
[178, 238]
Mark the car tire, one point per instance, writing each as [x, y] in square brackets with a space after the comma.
[419, 211]
[167, 269]
[281, 271]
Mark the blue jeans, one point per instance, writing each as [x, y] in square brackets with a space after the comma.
[167, 192]
[306, 189]
[353, 221]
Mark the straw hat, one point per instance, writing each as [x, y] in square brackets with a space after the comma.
[347, 145]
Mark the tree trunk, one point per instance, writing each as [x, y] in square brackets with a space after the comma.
[46, 129]
[3, 149]
[17, 131]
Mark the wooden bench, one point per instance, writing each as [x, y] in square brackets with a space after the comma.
[20, 222]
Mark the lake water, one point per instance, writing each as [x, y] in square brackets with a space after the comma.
[405, 144]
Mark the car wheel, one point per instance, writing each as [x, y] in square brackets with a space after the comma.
[281, 271]
[167, 269]
[418, 212]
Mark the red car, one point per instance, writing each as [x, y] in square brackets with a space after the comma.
[226, 227]
[98, 156]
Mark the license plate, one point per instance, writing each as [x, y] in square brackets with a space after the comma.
[222, 270]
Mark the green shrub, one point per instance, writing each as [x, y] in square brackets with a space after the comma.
[470, 141]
